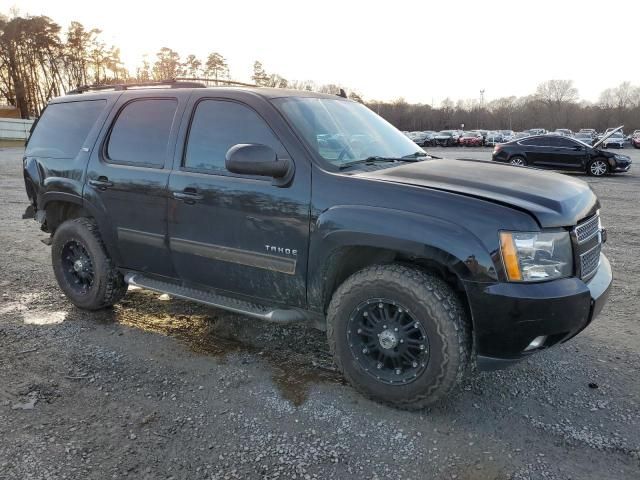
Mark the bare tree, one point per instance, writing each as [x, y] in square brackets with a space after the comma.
[557, 95]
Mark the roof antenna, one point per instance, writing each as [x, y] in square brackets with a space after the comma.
[342, 93]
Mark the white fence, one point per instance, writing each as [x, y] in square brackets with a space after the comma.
[14, 128]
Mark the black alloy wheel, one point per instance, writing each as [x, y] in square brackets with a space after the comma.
[387, 341]
[77, 267]
[83, 268]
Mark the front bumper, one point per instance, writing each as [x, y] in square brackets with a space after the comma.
[507, 317]
[622, 167]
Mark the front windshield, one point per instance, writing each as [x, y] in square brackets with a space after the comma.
[342, 131]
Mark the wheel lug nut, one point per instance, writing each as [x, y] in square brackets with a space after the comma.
[421, 347]
[401, 341]
[416, 325]
[414, 364]
[359, 330]
[384, 326]
[380, 305]
[364, 350]
[379, 366]
[396, 329]
[365, 314]
[398, 371]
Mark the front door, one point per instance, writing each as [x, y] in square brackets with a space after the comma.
[569, 154]
[127, 179]
[239, 234]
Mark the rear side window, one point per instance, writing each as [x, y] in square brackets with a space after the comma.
[535, 142]
[219, 125]
[63, 128]
[140, 135]
[561, 142]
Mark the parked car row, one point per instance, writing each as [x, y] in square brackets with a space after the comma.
[455, 138]
[491, 138]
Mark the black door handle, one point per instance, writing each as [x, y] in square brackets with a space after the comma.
[188, 196]
[102, 183]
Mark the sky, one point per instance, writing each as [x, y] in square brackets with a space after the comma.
[421, 51]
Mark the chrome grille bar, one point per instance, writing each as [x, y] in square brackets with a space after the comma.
[587, 229]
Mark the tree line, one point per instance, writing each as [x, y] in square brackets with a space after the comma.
[39, 61]
[554, 104]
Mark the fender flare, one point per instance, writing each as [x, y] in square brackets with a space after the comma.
[410, 234]
[109, 242]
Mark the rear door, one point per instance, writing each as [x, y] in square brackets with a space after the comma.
[536, 150]
[128, 174]
[239, 233]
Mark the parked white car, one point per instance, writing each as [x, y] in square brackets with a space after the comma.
[616, 140]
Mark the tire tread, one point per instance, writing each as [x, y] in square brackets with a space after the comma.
[437, 294]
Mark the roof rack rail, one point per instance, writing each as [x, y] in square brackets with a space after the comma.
[170, 83]
[216, 83]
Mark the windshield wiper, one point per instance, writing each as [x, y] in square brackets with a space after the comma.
[369, 161]
[413, 157]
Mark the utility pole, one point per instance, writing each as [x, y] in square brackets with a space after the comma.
[480, 107]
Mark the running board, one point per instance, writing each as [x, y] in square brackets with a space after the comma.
[243, 307]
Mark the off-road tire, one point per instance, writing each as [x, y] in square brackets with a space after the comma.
[108, 285]
[439, 310]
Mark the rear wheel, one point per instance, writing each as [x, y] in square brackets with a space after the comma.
[82, 267]
[518, 161]
[399, 335]
[597, 167]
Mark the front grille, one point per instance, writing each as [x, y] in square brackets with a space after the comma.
[589, 261]
[587, 229]
[589, 244]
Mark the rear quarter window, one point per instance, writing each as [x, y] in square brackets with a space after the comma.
[63, 128]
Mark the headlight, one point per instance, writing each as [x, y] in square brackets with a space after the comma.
[536, 256]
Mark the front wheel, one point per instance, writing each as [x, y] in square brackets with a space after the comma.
[399, 335]
[597, 167]
[82, 267]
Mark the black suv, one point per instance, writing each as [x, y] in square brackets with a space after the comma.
[296, 206]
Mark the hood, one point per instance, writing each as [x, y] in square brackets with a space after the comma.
[604, 137]
[555, 200]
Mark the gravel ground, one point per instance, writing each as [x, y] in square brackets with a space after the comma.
[158, 389]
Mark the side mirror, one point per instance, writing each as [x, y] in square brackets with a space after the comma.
[261, 160]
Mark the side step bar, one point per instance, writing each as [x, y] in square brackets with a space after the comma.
[243, 307]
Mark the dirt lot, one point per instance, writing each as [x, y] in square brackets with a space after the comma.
[166, 389]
